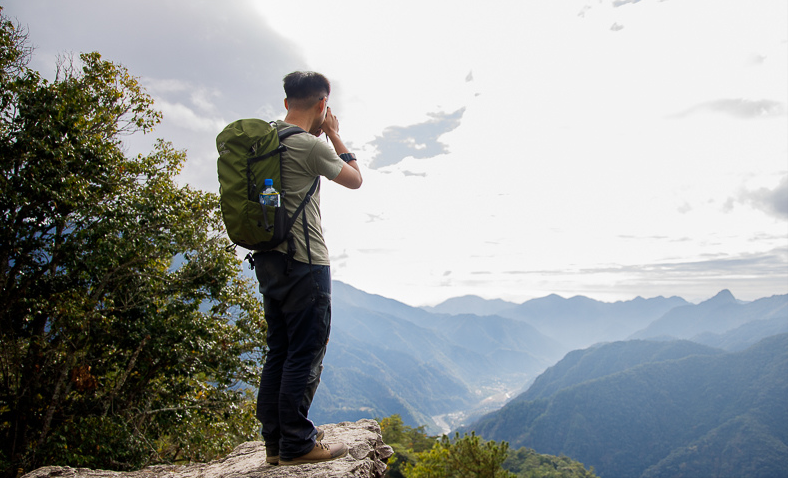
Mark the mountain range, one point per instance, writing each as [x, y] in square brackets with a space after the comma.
[721, 315]
[447, 365]
[657, 409]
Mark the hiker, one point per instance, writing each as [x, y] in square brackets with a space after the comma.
[297, 291]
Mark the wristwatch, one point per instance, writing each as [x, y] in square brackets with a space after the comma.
[347, 157]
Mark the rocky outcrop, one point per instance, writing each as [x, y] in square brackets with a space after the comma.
[367, 458]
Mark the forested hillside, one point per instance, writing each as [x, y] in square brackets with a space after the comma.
[583, 365]
[706, 414]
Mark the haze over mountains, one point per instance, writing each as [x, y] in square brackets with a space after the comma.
[446, 365]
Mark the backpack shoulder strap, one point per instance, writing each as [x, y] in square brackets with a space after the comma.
[287, 132]
[302, 206]
[301, 209]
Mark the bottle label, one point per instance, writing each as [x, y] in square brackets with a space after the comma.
[269, 199]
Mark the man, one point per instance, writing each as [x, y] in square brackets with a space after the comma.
[297, 292]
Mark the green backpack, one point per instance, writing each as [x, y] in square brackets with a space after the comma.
[249, 153]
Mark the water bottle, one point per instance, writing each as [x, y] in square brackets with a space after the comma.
[269, 196]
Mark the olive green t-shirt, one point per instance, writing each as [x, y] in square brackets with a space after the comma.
[306, 158]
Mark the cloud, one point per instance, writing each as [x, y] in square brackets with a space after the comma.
[760, 264]
[205, 64]
[755, 59]
[747, 264]
[771, 201]
[418, 141]
[187, 118]
[340, 257]
[615, 4]
[224, 46]
[618, 3]
[748, 274]
[655, 237]
[738, 108]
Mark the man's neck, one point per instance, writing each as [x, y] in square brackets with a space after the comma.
[299, 119]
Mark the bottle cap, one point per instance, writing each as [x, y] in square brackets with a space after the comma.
[269, 182]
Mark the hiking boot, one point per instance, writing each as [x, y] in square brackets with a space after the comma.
[272, 453]
[322, 452]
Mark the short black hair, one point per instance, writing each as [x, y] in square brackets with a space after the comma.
[306, 87]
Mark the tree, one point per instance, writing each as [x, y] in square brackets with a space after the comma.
[466, 457]
[126, 329]
[527, 463]
[406, 443]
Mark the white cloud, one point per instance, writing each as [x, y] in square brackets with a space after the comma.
[185, 117]
[495, 142]
[738, 108]
[773, 201]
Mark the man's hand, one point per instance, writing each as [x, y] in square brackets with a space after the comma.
[350, 175]
[330, 125]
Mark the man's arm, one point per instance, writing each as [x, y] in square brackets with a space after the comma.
[350, 175]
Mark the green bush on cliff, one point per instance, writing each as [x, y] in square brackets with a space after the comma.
[417, 455]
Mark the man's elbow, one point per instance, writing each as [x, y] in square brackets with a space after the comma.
[349, 182]
[357, 182]
[349, 177]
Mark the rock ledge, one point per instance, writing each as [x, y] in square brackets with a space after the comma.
[367, 459]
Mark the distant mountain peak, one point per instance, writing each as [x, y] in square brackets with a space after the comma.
[724, 296]
[471, 304]
[551, 299]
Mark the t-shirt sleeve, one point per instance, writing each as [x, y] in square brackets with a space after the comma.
[324, 161]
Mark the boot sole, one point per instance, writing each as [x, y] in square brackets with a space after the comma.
[274, 460]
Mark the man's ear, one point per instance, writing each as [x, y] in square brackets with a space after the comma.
[286, 105]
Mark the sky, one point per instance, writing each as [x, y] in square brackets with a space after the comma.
[509, 149]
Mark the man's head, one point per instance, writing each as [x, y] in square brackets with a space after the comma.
[303, 89]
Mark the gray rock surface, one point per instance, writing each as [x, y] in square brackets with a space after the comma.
[367, 458]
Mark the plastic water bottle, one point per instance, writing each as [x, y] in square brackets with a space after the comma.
[269, 196]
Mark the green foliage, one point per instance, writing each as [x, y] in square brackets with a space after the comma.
[406, 442]
[126, 329]
[466, 457]
[527, 463]
[417, 455]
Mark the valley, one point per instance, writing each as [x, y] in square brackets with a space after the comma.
[443, 370]
[640, 388]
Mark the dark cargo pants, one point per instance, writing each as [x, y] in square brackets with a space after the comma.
[298, 312]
